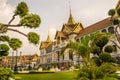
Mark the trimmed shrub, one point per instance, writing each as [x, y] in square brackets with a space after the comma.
[5, 74]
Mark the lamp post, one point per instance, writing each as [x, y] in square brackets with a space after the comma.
[16, 67]
[12, 60]
[20, 61]
[29, 67]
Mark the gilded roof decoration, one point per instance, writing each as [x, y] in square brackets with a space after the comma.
[60, 34]
[71, 19]
[118, 4]
[48, 38]
[46, 43]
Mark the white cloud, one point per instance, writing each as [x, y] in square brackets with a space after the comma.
[6, 11]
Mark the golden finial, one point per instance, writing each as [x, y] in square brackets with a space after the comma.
[48, 38]
[118, 4]
[71, 19]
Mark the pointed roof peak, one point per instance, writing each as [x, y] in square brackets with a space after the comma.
[48, 38]
[71, 19]
[118, 4]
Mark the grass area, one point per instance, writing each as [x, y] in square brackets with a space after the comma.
[48, 76]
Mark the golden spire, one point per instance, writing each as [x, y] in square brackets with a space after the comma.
[118, 4]
[71, 19]
[48, 38]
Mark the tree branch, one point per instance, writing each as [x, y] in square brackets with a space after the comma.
[115, 43]
[15, 30]
[117, 34]
[13, 17]
[18, 25]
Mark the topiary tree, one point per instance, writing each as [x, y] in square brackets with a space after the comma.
[105, 57]
[115, 20]
[100, 47]
[109, 49]
[4, 50]
[5, 74]
[101, 41]
[27, 19]
[95, 50]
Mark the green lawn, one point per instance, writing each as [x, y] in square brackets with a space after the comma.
[49, 76]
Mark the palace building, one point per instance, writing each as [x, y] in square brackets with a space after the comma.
[71, 31]
[22, 61]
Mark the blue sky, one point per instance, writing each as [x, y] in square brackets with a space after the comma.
[54, 13]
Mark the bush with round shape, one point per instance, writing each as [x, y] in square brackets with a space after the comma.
[111, 12]
[116, 21]
[118, 11]
[4, 38]
[15, 43]
[33, 37]
[31, 21]
[109, 48]
[4, 50]
[105, 57]
[5, 74]
[22, 9]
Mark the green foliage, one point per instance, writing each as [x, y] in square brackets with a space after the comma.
[83, 50]
[4, 47]
[4, 53]
[114, 75]
[86, 40]
[100, 39]
[31, 21]
[4, 50]
[111, 12]
[114, 60]
[116, 21]
[3, 28]
[33, 37]
[97, 61]
[95, 50]
[83, 78]
[118, 11]
[105, 57]
[4, 38]
[15, 43]
[109, 48]
[87, 71]
[92, 72]
[51, 76]
[99, 74]
[22, 9]
[107, 68]
[5, 74]
[80, 48]
[109, 78]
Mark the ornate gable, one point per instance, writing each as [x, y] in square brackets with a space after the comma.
[71, 26]
[46, 43]
[60, 34]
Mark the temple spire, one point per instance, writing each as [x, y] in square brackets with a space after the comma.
[48, 38]
[71, 19]
[118, 4]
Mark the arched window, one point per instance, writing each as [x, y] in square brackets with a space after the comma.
[104, 30]
[111, 30]
[77, 40]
